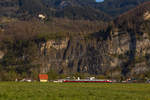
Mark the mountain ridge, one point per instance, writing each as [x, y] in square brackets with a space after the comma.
[117, 49]
[55, 8]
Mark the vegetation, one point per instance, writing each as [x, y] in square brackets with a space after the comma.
[68, 91]
[72, 9]
[117, 7]
[23, 36]
[21, 41]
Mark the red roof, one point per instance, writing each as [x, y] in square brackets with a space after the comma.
[43, 76]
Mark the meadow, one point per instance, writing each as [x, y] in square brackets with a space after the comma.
[73, 91]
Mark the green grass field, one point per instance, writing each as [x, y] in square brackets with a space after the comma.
[73, 91]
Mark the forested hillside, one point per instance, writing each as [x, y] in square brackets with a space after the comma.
[74, 38]
[72, 9]
[117, 7]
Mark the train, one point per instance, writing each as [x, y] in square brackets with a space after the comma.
[87, 81]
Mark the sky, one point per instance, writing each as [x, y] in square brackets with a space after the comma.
[99, 0]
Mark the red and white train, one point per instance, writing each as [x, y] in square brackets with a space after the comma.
[87, 81]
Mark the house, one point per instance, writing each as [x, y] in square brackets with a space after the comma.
[43, 77]
[41, 16]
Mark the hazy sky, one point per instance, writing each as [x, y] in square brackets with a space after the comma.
[99, 0]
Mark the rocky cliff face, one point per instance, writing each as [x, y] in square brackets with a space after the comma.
[75, 55]
[1, 54]
[120, 53]
[124, 49]
[116, 56]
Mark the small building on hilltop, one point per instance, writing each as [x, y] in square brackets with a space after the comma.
[43, 77]
[41, 16]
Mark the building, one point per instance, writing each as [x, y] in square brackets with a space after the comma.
[41, 16]
[43, 77]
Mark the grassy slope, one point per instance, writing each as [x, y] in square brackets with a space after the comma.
[51, 91]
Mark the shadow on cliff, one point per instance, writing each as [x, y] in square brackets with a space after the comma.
[132, 52]
[103, 34]
[130, 62]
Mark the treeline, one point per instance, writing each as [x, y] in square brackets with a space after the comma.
[63, 9]
[71, 9]
[115, 8]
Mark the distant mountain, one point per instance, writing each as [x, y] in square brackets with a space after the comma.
[72, 9]
[134, 18]
[8, 7]
[117, 7]
[111, 7]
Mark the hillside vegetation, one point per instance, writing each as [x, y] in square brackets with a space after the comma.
[75, 39]
[21, 42]
[72, 9]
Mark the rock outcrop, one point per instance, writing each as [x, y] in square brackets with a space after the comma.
[122, 49]
[1, 54]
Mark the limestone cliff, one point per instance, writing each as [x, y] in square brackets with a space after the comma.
[120, 50]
